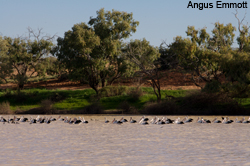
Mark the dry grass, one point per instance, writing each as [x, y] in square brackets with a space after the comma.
[5, 108]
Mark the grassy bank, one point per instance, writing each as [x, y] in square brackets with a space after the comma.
[79, 99]
[116, 100]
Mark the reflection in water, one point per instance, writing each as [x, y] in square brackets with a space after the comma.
[100, 143]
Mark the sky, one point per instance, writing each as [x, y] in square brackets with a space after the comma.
[160, 20]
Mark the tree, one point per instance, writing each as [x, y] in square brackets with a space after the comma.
[92, 52]
[201, 62]
[5, 67]
[168, 58]
[236, 68]
[24, 57]
[74, 51]
[202, 54]
[223, 37]
[144, 56]
[244, 38]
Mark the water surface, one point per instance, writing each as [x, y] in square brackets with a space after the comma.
[98, 143]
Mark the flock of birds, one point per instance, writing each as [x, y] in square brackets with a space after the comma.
[143, 120]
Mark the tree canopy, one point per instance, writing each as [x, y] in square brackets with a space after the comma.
[91, 52]
[22, 57]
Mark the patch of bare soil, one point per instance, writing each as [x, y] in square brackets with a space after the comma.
[169, 81]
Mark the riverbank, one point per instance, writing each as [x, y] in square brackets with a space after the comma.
[118, 100]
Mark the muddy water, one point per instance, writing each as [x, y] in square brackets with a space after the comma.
[97, 143]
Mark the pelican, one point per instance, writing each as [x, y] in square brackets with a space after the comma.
[226, 120]
[161, 121]
[178, 121]
[245, 121]
[239, 121]
[77, 121]
[153, 120]
[143, 119]
[144, 123]
[106, 120]
[84, 121]
[60, 118]
[48, 120]
[168, 121]
[123, 120]
[187, 120]
[66, 120]
[32, 120]
[199, 120]
[2, 119]
[116, 121]
[216, 120]
[132, 120]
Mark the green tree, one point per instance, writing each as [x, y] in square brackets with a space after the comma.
[142, 55]
[236, 67]
[5, 67]
[25, 57]
[195, 55]
[222, 37]
[92, 52]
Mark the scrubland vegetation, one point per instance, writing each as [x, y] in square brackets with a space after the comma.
[96, 55]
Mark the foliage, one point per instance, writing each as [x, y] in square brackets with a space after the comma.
[23, 55]
[91, 52]
[223, 37]
[162, 108]
[142, 55]
[168, 58]
[212, 87]
[46, 105]
[94, 108]
[113, 91]
[201, 103]
[237, 71]
[126, 108]
[203, 55]
[135, 94]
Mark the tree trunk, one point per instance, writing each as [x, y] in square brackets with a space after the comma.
[103, 83]
[21, 86]
[156, 85]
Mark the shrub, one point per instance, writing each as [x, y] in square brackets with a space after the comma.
[126, 108]
[5, 108]
[56, 97]
[94, 108]
[135, 94]
[167, 107]
[113, 91]
[8, 93]
[210, 104]
[212, 87]
[46, 105]
[17, 96]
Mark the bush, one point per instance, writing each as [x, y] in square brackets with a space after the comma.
[126, 108]
[109, 91]
[5, 108]
[46, 105]
[8, 93]
[18, 96]
[56, 97]
[212, 87]
[94, 108]
[167, 107]
[135, 94]
[211, 104]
